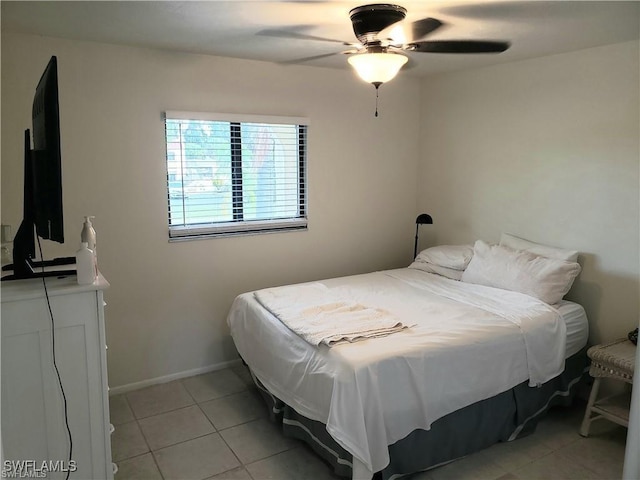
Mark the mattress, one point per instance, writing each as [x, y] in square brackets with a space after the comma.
[575, 319]
[371, 394]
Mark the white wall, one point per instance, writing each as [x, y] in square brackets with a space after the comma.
[547, 149]
[168, 302]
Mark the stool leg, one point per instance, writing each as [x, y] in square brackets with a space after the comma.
[586, 421]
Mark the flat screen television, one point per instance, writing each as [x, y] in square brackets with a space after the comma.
[42, 207]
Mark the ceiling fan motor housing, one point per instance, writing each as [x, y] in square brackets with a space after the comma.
[368, 20]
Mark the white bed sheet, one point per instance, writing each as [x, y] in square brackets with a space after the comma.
[371, 394]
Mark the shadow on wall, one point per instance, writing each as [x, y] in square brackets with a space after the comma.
[593, 288]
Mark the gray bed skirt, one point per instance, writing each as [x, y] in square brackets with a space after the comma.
[504, 417]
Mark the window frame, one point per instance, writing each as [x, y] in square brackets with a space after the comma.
[239, 226]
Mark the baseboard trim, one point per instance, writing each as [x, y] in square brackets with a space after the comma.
[129, 387]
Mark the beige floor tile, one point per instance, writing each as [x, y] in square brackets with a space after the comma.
[602, 426]
[175, 427]
[185, 445]
[235, 474]
[245, 375]
[603, 454]
[517, 453]
[559, 427]
[257, 440]
[557, 467]
[119, 410]
[159, 399]
[426, 475]
[196, 459]
[214, 385]
[235, 409]
[297, 464]
[476, 466]
[138, 468]
[127, 441]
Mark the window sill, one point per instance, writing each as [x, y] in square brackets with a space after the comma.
[182, 234]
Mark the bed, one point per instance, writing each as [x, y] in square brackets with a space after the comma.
[472, 365]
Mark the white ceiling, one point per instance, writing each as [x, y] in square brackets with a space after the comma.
[232, 28]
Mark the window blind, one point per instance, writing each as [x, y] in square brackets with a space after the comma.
[235, 176]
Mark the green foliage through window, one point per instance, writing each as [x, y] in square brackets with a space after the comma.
[228, 177]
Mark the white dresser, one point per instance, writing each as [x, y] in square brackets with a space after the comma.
[33, 426]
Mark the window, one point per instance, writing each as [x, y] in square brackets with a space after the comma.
[235, 174]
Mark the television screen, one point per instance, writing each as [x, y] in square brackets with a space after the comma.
[47, 164]
[42, 202]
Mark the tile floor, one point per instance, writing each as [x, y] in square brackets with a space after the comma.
[215, 426]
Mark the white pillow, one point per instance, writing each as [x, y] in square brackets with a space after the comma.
[456, 257]
[547, 279]
[437, 269]
[511, 241]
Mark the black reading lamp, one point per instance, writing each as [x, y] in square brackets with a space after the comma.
[423, 218]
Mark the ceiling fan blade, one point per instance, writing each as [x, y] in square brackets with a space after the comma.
[402, 32]
[422, 28]
[459, 46]
[308, 59]
[298, 36]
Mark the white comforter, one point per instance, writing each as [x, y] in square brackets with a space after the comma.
[469, 343]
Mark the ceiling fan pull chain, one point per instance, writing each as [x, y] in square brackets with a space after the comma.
[376, 102]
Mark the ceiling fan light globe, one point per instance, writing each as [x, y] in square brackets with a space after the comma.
[377, 67]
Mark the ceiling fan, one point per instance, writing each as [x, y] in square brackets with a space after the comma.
[382, 37]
